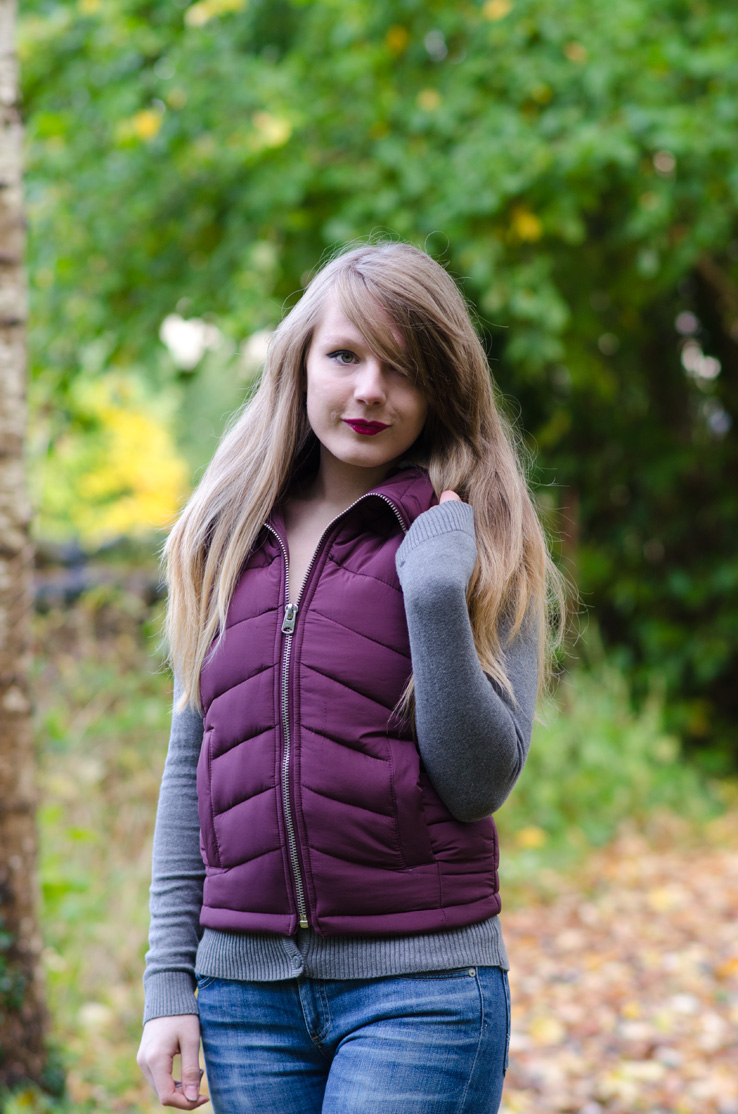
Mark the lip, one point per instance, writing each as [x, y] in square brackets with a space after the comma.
[367, 428]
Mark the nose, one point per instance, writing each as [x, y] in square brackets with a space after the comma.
[369, 386]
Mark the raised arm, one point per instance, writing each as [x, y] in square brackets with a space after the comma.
[472, 738]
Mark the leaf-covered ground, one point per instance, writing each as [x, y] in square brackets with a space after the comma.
[624, 984]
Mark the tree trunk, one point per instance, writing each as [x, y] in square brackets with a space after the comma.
[22, 1011]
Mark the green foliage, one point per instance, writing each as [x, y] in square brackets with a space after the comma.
[573, 163]
[594, 765]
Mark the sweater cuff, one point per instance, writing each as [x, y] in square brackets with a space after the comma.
[169, 993]
[442, 519]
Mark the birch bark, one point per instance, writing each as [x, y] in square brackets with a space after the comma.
[22, 1010]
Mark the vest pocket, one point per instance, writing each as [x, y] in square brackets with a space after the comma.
[208, 842]
[407, 794]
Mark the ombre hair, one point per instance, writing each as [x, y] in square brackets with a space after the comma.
[413, 316]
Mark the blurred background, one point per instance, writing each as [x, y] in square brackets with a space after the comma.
[574, 166]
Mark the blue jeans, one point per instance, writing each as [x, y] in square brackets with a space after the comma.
[430, 1043]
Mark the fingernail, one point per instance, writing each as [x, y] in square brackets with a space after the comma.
[192, 1092]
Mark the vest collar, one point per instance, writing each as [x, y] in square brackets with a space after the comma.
[407, 488]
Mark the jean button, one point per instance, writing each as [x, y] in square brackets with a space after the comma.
[472, 971]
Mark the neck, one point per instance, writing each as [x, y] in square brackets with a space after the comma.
[339, 485]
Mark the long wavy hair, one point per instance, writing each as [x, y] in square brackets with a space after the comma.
[413, 316]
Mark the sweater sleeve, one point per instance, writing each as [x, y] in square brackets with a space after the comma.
[473, 739]
[177, 876]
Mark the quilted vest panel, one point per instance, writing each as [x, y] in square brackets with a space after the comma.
[315, 808]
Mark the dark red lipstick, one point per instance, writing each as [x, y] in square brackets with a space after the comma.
[367, 428]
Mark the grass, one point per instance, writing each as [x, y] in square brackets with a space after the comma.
[595, 765]
[102, 726]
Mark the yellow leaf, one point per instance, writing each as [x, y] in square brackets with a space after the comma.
[525, 224]
[728, 969]
[546, 1029]
[397, 39]
[25, 1100]
[89, 7]
[663, 898]
[197, 15]
[664, 1021]
[530, 837]
[429, 99]
[274, 131]
[647, 1071]
[497, 9]
[575, 52]
[146, 124]
[516, 1102]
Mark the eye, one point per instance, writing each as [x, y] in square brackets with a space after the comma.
[342, 356]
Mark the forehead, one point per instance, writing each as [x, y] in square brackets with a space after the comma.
[333, 323]
[334, 326]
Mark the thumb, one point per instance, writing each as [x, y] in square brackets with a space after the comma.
[448, 495]
[191, 1074]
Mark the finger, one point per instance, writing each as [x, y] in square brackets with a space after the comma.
[164, 1084]
[448, 495]
[190, 1104]
[189, 1043]
[179, 1102]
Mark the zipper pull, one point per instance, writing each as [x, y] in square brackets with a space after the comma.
[290, 618]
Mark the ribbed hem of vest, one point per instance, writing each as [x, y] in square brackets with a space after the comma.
[442, 519]
[168, 993]
[267, 957]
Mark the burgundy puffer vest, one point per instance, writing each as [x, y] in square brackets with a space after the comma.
[315, 808]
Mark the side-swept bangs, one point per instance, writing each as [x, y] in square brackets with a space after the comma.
[384, 323]
[421, 326]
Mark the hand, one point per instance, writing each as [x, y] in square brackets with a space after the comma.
[453, 547]
[446, 495]
[163, 1038]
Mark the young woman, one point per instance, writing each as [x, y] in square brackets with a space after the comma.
[359, 592]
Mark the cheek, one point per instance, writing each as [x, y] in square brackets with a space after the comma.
[419, 409]
[323, 401]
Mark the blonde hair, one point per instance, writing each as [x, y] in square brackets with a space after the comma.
[467, 445]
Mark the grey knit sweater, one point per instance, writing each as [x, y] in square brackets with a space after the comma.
[473, 741]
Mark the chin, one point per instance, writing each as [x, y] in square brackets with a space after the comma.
[366, 460]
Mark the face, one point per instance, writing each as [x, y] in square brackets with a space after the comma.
[365, 413]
